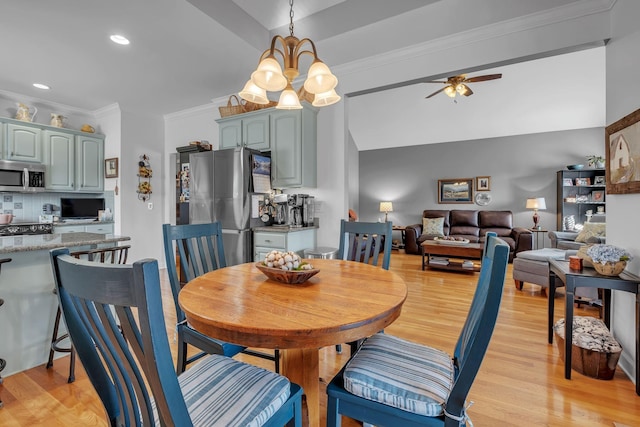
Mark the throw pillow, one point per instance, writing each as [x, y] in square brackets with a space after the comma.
[433, 226]
[591, 229]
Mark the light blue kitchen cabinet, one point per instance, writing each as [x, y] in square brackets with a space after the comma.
[293, 148]
[250, 130]
[89, 162]
[24, 143]
[59, 157]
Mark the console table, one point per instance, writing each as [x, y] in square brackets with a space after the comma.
[588, 277]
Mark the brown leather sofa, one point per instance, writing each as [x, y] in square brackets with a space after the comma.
[472, 225]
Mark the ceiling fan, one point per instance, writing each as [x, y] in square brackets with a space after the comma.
[458, 84]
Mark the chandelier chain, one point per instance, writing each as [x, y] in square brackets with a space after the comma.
[291, 17]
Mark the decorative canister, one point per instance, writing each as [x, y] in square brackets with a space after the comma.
[575, 263]
[610, 268]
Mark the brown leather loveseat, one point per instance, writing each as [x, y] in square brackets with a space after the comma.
[472, 225]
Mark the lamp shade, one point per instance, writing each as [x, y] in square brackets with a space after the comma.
[269, 75]
[251, 92]
[536, 203]
[325, 98]
[386, 207]
[319, 78]
[289, 100]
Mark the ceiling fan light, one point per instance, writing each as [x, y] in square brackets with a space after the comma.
[326, 98]
[319, 78]
[289, 100]
[251, 92]
[462, 89]
[450, 91]
[268, 75]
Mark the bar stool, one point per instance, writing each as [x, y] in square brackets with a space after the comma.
[3, 363]
[111, 255]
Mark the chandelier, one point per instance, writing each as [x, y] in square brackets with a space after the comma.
[269, 76]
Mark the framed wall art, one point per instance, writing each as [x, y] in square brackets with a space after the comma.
[622, 148]
[459, 190]
[483, 183]
[111, 168]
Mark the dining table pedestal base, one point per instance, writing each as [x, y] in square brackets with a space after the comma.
[302, 366]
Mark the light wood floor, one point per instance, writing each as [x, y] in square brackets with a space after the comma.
[520, 382]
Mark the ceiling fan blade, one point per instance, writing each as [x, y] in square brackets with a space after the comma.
[435, 93]
[483, 78]
[434, 81]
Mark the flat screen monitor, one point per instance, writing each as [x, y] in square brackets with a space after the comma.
[76, 208]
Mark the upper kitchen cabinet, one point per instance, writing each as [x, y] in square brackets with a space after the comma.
[249, 130]
[23, 143]
[75, 162]
[89, 152]
[293, 148]
[59, 157]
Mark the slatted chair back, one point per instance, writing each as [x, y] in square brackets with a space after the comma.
[200, 250]
[115, 320]
[110, 255]
[365, 242]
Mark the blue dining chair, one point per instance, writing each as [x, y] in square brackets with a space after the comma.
[364, 242]
[200, 250]
[116, 323]
[395, 382]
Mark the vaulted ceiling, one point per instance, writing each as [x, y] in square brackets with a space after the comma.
[187, 53]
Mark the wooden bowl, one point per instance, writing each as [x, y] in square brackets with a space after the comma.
[287, 276]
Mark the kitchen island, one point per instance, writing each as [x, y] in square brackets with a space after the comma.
[26, 285]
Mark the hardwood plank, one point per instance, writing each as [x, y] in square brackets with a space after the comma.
[521, 381]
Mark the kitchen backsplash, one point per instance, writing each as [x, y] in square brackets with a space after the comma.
[27, 207]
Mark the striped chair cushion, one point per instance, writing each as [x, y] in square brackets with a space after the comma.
[402, 374]
[220, 391]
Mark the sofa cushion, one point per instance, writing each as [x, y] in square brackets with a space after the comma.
[438, 213]
[495, 219]
[433, 226]
[464, 223]
[590, 230]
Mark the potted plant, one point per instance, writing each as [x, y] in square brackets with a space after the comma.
[608, 260]
[597, 161]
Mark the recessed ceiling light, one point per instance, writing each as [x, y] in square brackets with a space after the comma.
[117, 38]
[41, 86]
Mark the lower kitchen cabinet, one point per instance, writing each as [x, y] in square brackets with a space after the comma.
[296, 240]
[102, 228]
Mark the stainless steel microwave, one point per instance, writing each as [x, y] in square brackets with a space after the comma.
[21, 177]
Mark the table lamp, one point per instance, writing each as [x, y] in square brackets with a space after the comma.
[386, 207]
[536, 203]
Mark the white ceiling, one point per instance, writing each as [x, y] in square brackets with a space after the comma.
[186, 53]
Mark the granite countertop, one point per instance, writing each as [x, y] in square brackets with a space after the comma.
[283, 228]
[40, 242]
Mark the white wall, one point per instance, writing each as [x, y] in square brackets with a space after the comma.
[623, 94]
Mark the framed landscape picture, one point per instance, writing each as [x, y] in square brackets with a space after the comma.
[459, 190]
[622, 148]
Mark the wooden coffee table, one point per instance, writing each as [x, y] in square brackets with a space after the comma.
[470, 251]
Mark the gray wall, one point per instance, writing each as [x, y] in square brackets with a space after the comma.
[519, 166]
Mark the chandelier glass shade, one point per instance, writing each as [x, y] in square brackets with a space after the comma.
[270, 76]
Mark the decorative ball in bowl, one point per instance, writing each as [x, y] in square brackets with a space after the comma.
[575, 167]
[287, 276]
[286, 267]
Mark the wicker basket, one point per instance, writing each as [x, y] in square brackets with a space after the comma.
[252, 106]
[230, 109]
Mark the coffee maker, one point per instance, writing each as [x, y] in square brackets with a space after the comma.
[294, 202]
[308, 210]
[281, 205]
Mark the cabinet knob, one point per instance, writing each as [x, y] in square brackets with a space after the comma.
[267, 240]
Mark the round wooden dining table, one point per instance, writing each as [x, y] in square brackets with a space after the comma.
[346, 301]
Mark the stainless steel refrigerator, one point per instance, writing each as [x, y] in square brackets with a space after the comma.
[221, 190]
